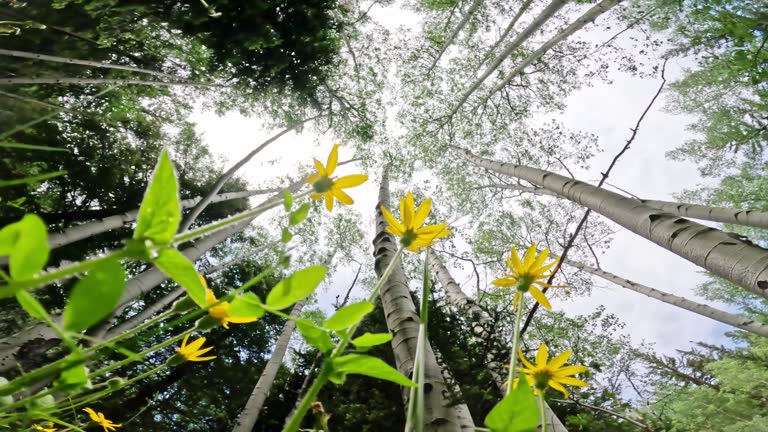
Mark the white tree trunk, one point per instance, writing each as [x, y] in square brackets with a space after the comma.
[463, 22]
[511, 26]
[200, 206]
[744, 217]
[250, 413]
[728, 256]
[403, 323]
[462, 410]
[681, 302]
[588, 17]
[482, 328]
[45, 57]
[544, 16]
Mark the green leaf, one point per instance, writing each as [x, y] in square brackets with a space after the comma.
[287, 236]
[314, 335]
[72, 378]
[182, 271]
[26, 244]
[246, 306]
[10, 144]
[160, 211]
[32, 179]
[31, 305]
[295, 287]
[348, 315]
[517, 412]
[371, 339]
[299, 215]
[369, 366]
[94, 296]
[287, 200]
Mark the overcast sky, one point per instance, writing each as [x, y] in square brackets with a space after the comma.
[605, 110]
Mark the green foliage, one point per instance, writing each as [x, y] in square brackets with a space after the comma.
[366, 365]
[517, 412]
[246, 305]
[25, 243]
[368, 340]
[94, 296]
[348, 316]
[296, 217]
[160, 211]
[315, 336]
[31, 305]
[295, 287]
[182, 271]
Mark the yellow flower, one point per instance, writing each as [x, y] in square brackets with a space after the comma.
[330, 187]
[47, 428]
[193, 351]
[551, 374]
[527, 274]
[220, 312]
[99, 419]
[411, 232]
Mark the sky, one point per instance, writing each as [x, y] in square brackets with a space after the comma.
[607, 110]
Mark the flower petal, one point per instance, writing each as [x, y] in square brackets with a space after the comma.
[540, 297]
[530, 256]
[184, 342]
[559, 360]
[422, 212]
[571, 381]
[329, 201]
[313, 178]
[525, 360]
[542, 355]
[540, 259]
[200, 359]
[504, 282]
[559, 388]
[196, 345]
[320, 169]
[407, 211]
[516, 299]
[570, 370]
[242, 320]
[210, 297]
[333, 160]
[517, 265]
[350, 181]
[342, 196]
[392, 221]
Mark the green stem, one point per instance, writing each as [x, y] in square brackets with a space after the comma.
[295, 421]
[62, 273]
[515, 343]
[542, 413]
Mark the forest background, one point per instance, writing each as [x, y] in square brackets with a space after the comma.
[241, 74]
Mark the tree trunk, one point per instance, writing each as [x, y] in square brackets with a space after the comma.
[84, 81]
[462, 410]
[250, 413]
[511, 26]
[483, 329]
[464, 20]
[544, 16]
[403, 323]
[683, 303]
[746, 217]
[208, 198]
[588, 17]
[728, 256]
[44, 57]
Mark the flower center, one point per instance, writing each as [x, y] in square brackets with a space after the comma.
[322, 185]
[541, 378]
[524, 282]
[408, 237]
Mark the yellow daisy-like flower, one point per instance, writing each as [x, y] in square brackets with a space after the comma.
[552, 374]
[411, 232]
[102, 421]
[193, 351]
[220, 312]
[330, 188]
[528, 275]
[48, 427]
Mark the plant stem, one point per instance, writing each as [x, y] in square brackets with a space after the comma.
[542, 414]
[295, 421]
[515, 342]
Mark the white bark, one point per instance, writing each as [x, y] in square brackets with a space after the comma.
[482, 328]
[403, 323]
[461, 410]
[588, 17]
[250, 413]
[535, 25]
[744, 217]
[463, 22]
[511, 26]
[84, 81]
[681, 302]
[728, 256]
[37, 56]
[207, 199]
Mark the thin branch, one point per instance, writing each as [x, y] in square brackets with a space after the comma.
[605, 410]
[84, 81]
[605, 175]
[464, 20]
